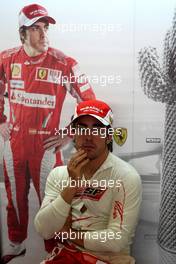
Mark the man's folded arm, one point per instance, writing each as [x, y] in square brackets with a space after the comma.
[54, 210]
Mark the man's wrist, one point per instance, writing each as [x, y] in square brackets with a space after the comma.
[68, 193]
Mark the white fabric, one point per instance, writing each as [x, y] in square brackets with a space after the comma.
[14, 248]
[102, 216]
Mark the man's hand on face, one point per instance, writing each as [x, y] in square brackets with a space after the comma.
[76, 165]
[75, 170]
[5, 130]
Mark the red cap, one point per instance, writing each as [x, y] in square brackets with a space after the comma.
[95, 108]
[31, 13]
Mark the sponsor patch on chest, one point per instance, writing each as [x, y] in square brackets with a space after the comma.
[17, 84]
[16, 70]
[33, 99]
[48, 75]
[90, 193]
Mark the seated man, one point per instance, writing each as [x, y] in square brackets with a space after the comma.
[91, 205]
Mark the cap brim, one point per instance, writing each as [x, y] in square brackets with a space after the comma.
[35, 19]
[104, 122]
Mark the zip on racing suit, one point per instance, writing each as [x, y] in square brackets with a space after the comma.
[37, 87]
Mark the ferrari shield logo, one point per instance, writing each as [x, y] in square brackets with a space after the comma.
[120, 135]
[42, 74]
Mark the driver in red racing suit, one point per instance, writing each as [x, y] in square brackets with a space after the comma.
[37, 79]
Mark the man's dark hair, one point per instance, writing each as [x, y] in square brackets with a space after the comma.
[110, 144]
[22, 32]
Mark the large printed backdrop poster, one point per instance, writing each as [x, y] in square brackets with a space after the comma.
[105, 37]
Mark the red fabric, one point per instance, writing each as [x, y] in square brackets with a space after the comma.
[72, 256]
[37, 87]
[34, 10]
[36, 95]
[32, 13]
[99, 109]
[23, 169]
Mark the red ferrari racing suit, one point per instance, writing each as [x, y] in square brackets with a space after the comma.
[37, 87]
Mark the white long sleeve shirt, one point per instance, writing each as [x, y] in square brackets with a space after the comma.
[107, 207]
